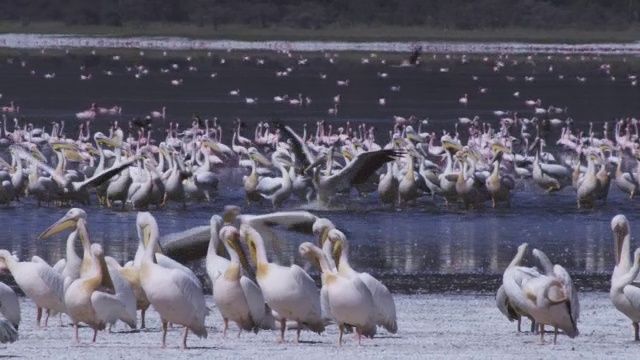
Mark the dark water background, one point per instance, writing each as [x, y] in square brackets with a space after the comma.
[418, 249]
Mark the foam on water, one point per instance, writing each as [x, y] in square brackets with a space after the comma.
[38, 41]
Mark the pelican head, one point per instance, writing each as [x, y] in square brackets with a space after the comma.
[68, 221]
[248, 234]
[321, 228]
[231, 237]
[147, 226]
[256, 156]
[620, 228]
[308, 250]
[104, 140]
[230, 213]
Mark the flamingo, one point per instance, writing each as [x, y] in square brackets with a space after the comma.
[158, 114]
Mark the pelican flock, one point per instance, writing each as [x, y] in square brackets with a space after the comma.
[470, 162]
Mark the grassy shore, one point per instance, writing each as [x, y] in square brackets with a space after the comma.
[357, 33]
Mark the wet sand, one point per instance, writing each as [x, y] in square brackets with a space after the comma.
[430, 326]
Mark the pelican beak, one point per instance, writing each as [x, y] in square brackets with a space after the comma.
[64, 146]
[414, 137]
[347, 154]
[59, 226]
[234, 243]
[38, 155]
[399, 142]
[211, 145]
[113, 142]
[72, 155]
[337, 251]
[256, 156]
[93, 152]
[451, 146]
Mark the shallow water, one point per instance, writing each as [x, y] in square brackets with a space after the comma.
[425, 248]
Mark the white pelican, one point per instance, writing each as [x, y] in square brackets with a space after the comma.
[624, 295]
[588, 185]
[71, 266]
[407, 188]
[385, 307]
[173, 294]
[39, 282]
[216, 265]
[626, 181]
[502, 300]
[9, 305]
[561, 274]
[237, 297]
[543, 297]
[350, 301]
[388, 185]
[288, 290]
[499, 187]
[93, 298]
[356, 172]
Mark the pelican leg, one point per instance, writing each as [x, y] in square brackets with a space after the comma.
[635, 330]
[38, 317]
[164, 334]
[184, 337]
[239, 332]
[340, 336]
[75, 329]
[46, 319]
[142, 312]
[555, 334]
[519, 322]
[298, 331]
[283, 328]
[359, 337]
[95, 334]
[541, 334]
[226, 326]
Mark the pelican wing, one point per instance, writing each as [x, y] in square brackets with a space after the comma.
[255, 299]
[191, 291]
[60, 265]
[633, 295]
[572, 290]
[363, 166]
[313, 318]
[545, 263]
[7, 332]
[186, 245]
[269, 185]
[103, 176]
[324, 304]
[54, 280]
[110, 308]
[301, 221]
[554, 170]
[301, 150]
[383, 301]
[169, 263]
[124, 292]
[502, 302]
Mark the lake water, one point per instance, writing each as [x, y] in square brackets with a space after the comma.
[425, 248]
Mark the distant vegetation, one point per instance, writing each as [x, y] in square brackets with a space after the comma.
[440, 15]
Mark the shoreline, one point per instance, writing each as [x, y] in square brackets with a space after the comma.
[69, 41]
[435, 326]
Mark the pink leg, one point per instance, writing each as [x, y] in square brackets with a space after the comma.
[283, 328]
[164, 334]
[184, 338]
